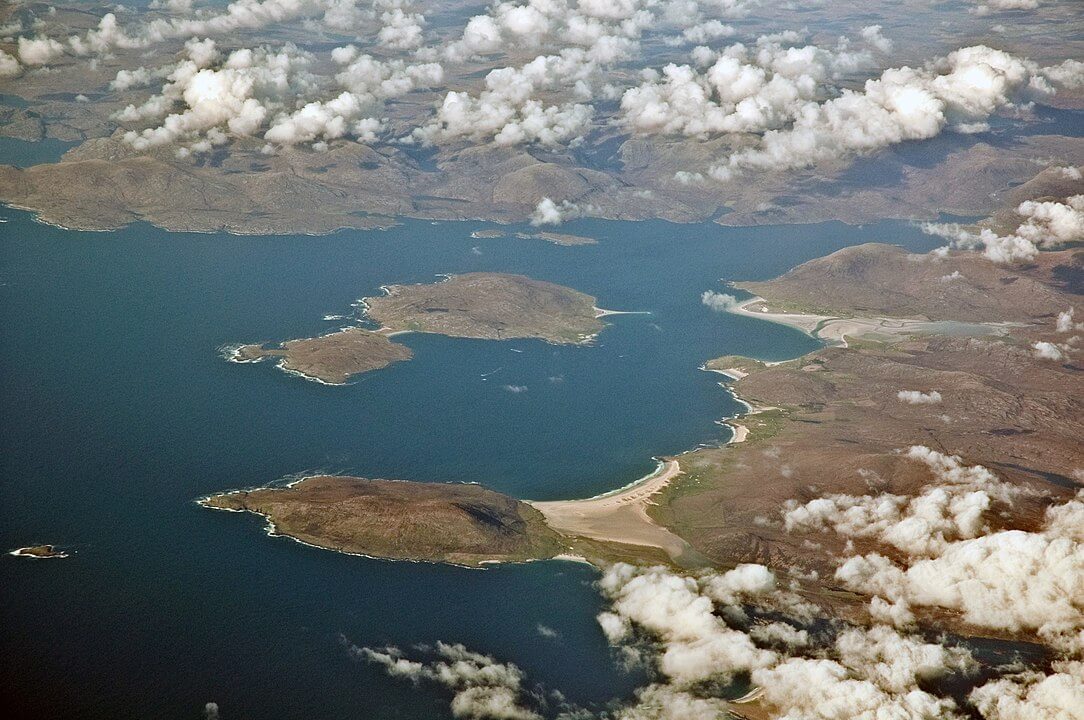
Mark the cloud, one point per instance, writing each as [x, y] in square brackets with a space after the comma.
[592, 36]
[128, 79]
[325, 120]
[1058, 695]
[1068, 74]
[923, 525]
[236, 16]
[905, 103]
[39, 50]
[548, 212]
[235, 97]
[177, 6]
[717, 301]
[607, 30]
[872, 35]
[698, 631]
[1044, 225]
[701, 33]
[483, 688]
[985, 7]
[1048, 351]
[547, 632]
[402, 30]
[700, 642]
[915, 397]
[664, 702]
[819, 689]
[9, 66]
[696, 643]
[1008, 580]
[269, 93]
[745, 89]
[368, 83]
[515, 389]
[1065, 322]
[508, 109]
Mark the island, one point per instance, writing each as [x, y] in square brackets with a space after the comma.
[454, 523]
[491, 306]
[556, 238]
[39, 552]
[331, 359]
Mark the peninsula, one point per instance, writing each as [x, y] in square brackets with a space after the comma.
[454, 523]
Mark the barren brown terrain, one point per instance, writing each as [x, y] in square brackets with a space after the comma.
[454, 523]
[332, 358]
[42, 552]
[838, 425]
[491, 306]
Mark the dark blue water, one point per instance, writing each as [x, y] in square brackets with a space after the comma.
[25, 153]
[116, 411]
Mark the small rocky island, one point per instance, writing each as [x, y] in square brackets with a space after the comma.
[332, 358]
[41, 552]
[552, 237]
[439, 522]
[487, 306]
[490, 306]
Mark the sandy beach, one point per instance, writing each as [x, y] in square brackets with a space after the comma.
[757, 307]
[836, 330]
[620, 516]
[740, 432]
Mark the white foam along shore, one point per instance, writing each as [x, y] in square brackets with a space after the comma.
[660, 469]
[232, 353]
[27, 552]
[281, 365]
[601, 312]
[741, 432]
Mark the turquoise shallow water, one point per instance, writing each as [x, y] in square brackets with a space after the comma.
[116, 411]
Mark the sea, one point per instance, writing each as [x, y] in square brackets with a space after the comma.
[118, 411]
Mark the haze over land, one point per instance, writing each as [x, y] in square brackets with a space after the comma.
[359, 112]
[895, 528]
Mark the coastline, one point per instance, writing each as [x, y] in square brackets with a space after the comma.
[34, 552]
[808, 324]
[232, 353]
[272, 530]
[38, 215]
[619, 516]
[834, 330]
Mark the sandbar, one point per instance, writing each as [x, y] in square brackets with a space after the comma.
[619, 516]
